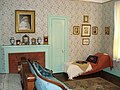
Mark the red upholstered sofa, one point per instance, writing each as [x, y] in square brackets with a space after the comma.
[104, 61]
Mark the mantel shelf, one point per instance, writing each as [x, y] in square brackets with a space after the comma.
[5, 46]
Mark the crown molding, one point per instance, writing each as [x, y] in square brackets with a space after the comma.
[97, 1]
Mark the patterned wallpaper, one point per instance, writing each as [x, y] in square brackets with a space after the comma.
[100, 15]
[108, 20]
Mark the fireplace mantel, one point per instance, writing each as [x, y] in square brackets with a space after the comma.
[23, 48]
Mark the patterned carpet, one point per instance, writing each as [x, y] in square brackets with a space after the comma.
[10, 82]
[91, 84]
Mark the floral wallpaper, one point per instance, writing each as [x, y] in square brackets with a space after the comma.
[108, 20]
[100, 15]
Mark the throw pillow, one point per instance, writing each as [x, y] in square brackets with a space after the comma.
[92, 58]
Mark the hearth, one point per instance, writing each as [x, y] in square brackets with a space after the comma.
[16, 58]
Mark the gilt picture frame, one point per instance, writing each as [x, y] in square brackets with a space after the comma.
[86, 30]
[85, 18]
[85, 41]
[94, 30]
[107, 30]
[24, 21]
[76, 30]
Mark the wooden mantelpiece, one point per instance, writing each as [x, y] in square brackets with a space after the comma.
[23, 49]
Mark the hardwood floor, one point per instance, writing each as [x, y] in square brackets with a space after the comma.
[114, 79]
[64, 77]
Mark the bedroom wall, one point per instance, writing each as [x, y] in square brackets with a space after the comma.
[109, 20]
[0, 21]
[99, 15]
[0, 31]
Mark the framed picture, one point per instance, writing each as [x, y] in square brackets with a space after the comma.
[24, 21]
[18, 42]
[45, 40]
[86, 30]
[85, 41]
[76, 30]
[94, 30]
[85, 19]
[107, 30]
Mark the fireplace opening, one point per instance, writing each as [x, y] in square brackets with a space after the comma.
[15, 59]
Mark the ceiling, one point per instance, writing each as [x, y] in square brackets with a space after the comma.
[98, 1]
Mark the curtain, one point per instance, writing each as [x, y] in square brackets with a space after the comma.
[116, 45]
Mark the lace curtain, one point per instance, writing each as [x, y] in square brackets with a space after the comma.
[116, 48]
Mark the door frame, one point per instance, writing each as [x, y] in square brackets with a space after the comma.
[66, 37]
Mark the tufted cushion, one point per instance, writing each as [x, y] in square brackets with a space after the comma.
[43, 71]
[92, 58]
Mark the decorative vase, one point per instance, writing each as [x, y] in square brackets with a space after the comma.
[12, 40]
[39, 40]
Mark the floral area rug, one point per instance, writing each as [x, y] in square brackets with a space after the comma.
[91, 84]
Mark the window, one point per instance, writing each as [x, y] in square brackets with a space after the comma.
[116, 48]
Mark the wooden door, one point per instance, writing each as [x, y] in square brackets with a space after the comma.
[58, 40]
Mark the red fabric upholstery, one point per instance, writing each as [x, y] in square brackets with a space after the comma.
[104, 61]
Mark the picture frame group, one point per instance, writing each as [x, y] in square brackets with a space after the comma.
[25, 21]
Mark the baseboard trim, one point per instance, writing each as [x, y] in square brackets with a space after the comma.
[110, 77]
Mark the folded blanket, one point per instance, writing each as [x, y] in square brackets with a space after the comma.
[83, 66]
[74, 70]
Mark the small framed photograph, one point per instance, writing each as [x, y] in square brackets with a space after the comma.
[76, 30]
[94, 30]
[18, 42]
[85, 19]
[25, 21]
[85, 41]
[107, 30]
[45, 40]
[86, 30]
